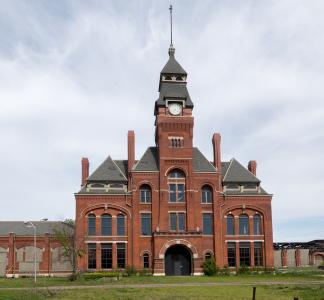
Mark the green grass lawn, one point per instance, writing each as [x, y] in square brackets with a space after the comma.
[44, 281]
[110, 291]
[219, 292]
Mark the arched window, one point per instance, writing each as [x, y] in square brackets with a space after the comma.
[230, 230]
[146, 260]
[91, 224]
[106, 224]
[244, 224]
[176, 182]
[206, 194]
[120, 224]
[208, 255]
[145, 194]
[257, 229]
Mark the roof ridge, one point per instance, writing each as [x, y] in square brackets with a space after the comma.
[119, 169]
[231, 161]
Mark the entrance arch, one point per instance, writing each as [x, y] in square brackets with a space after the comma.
[178, 261]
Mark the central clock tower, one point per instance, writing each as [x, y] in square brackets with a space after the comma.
[173, 111]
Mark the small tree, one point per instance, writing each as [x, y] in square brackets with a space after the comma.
[65, 235]
[209, 267]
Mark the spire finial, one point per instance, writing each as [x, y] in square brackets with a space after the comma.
[170, 8]
[171, 48]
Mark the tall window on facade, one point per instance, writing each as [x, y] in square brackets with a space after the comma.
[92, 262]
[106, 224]
[231, 254]
[244, 224]
[106, 256]
[121, 255]
[177, 221]
[208, 224]
[146, 261]
[91, 224]
[176, 182]
[145, 194]
[245, 254]
[120, 225]
[206, 194]
[230, 230]
[258, 257]
[146, 223]
[257, 225]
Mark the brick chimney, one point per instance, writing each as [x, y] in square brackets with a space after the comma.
[217, 151]
[131, 149]
[85, 170]
[252, 167]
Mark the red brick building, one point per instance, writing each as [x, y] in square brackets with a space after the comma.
[172, 208]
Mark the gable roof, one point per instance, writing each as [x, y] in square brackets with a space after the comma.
[149, 160]
[123, 166]
[237, 173]
[42, 227]
[201, 163]
[108, 171]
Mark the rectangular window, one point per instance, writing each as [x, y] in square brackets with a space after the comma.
[244, 254]
[231, 254]
[181, 222]
[173, 221]
[208, 224]
[258, 257]
[121, 255]
[230, 225]
[146, 224]
[145, 195]
[173, 192]
[92, 225]
[106, 256]
[146, 261]
[92, 260]
[181, 192]
[120, 225]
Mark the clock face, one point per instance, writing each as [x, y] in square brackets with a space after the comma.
[175, 109]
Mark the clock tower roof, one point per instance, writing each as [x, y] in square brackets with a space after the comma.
[173, 83]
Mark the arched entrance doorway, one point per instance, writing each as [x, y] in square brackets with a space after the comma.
[178, 261]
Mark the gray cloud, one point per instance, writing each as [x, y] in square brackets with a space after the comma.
[75, 76]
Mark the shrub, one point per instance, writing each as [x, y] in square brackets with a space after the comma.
[209, 267]
[97, 275]
[129, 271]
[74, 276]
[244, 270]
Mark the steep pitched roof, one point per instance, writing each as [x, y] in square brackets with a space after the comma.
[173, 67]
[173, 90]
[237, 173]
[19, 228]
[123, 166]
[108, 171]
[201, 163]
[149, 160]
[225, 165]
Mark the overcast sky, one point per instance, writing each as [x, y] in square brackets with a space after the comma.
[76, 75]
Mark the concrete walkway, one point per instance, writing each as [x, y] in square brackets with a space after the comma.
[161, 285]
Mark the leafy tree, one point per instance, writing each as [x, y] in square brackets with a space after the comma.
[65, 235]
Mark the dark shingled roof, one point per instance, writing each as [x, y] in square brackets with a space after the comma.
[173, 67]
[42, 227]
[108, 171]
[225, 165]
[123, 166]
[237, 173]
[171, 90]
[149, 161]
[201, 163]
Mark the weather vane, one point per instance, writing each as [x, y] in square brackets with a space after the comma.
[170, 8]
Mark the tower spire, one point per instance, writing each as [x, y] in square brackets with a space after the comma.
[170, 8]
[171, 48]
